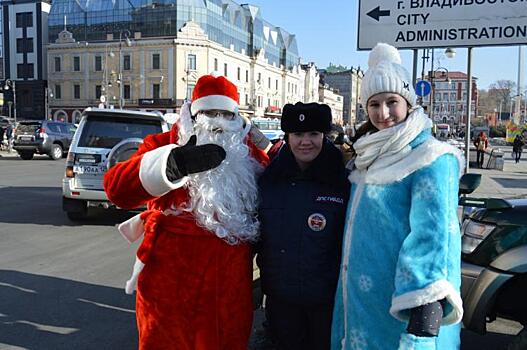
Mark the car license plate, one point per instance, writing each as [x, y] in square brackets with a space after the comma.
[26, 138]
[87, 169]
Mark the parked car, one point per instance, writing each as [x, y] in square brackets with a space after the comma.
[494, 263]
[43, 137]
[104, 137]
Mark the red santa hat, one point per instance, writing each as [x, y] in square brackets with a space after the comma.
[214, 92]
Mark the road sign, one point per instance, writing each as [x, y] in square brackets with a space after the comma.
[422, 88]
[441, 23]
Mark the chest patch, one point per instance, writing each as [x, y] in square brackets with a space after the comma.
[316, 222]
[329, 199]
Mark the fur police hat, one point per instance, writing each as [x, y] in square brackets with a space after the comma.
[302, 117]
[386, 74]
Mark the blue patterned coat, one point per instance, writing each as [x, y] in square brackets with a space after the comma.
[401, 249]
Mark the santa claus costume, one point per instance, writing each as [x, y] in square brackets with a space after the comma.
[193, 268]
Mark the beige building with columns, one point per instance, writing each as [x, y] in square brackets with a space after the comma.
[157, 74]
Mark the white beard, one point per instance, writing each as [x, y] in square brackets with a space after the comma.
[224, 199]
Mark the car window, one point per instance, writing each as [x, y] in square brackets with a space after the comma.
[30, 127]
[107, 131]
[67, 128]
[53, 127]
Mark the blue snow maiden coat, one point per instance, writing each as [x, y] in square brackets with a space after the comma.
[401, 246]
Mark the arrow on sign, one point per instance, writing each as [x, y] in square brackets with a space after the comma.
[376, 13]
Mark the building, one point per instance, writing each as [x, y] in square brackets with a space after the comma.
[24, 29]
[348, 83]
[148, 55]
[334, 100]
[449, 91]
[311, 82]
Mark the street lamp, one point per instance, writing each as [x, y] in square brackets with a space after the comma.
[123, 34]
[11, 84]
[432, 83]
[48, 94]
[107, 82]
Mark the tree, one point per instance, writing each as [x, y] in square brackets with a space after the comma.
[336, 69]
[502, 91]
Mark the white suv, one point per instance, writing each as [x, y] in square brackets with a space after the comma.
[100, 133]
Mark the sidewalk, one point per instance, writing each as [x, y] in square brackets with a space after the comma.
[509, 183]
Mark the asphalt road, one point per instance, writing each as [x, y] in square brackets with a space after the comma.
[61, 283]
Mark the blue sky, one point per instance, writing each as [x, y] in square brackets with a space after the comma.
[326, 32]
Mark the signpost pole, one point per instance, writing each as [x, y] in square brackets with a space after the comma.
[468, 109]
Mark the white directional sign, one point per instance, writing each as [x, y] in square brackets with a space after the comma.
[442, 23]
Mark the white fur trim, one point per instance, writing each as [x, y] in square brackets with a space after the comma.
[214, 102]
[434, 292]
[131, 284]
[132, 228]
[419, 157]
[152, 172]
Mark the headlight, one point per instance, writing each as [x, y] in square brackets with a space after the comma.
[473, 234]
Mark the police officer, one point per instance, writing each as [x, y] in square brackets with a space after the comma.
[304, 192]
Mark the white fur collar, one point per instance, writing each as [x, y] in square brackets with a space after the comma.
[419, 157]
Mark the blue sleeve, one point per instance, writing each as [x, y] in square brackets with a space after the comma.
[428, 266]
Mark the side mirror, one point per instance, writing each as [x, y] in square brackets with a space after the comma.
[469, 182]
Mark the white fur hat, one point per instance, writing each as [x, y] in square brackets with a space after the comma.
[386, 74]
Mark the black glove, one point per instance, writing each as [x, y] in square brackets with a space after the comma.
[425, 320]
[190, 159]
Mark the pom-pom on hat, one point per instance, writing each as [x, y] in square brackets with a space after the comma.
[214, 92]
[302, 117]
[386, 74]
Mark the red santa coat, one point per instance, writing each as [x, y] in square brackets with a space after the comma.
[194, 292]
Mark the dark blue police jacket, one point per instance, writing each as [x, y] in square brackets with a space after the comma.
[302, 223]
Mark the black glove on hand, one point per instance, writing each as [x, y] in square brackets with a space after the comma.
[425, 320]
[190, 159]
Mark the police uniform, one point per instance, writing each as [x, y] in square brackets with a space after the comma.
[302, 218]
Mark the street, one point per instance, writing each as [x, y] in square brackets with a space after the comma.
[61, 283]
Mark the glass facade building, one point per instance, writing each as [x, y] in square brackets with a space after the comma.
[237, 27]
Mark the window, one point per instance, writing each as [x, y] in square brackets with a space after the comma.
[259, 78]
[246, 99]
[156, 90]
[269, 83]
[24, 45]
[190, 90]
[276, 84]
[268, 102]
[98, 91]
[259, 101]
[127, 92]
[24, 19]
[239, 73]
[58, 91]
[57, 64]
[215, 64]
[191, 62]
[126, 62]
[76, 63]
[24, 70]
[156, 62]
[98, 63]
[76, 91]
[225, 69]
[247, 76]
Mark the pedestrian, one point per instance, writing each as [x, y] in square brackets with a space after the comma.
[9, 136]
[2, 133]
[303, 197]
[517, 146]
[193, 269]
[482, 143]
[400, 274]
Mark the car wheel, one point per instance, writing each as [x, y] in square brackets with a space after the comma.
[520, 341]
[77, 215]
[26, 155]
[56, 152]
